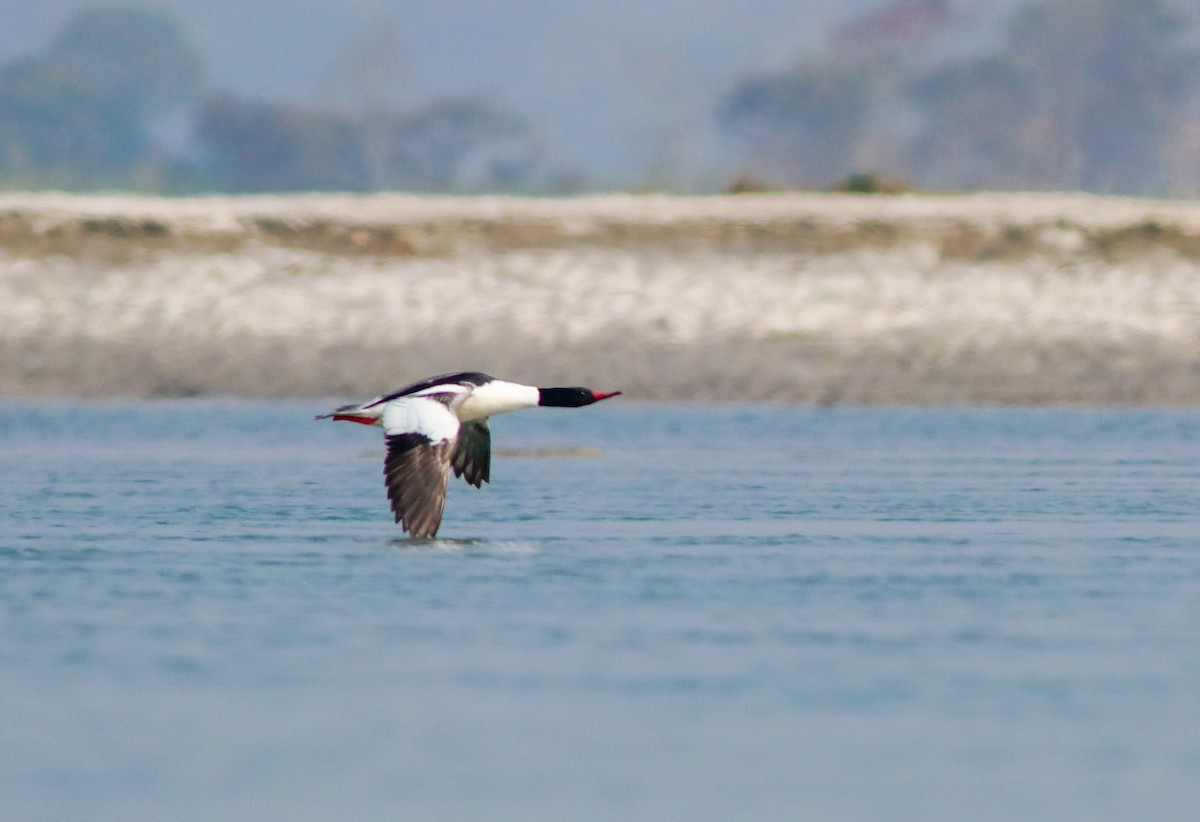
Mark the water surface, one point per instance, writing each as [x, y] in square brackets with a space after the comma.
[728, 613]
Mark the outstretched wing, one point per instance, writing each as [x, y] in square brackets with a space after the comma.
[472, 459]
[421, 433]
[462, 381]
[417, 472]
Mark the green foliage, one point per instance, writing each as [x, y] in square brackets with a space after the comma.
[861, 182]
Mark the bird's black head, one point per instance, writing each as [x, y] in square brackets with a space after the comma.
[571, 397]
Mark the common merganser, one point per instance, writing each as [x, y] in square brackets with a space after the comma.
[441, 423]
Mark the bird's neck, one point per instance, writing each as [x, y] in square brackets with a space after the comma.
[497, 397]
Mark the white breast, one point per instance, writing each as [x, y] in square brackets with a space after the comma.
[497, 397]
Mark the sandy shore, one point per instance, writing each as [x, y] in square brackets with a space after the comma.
[809, 298]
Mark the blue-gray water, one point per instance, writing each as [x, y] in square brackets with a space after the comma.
[730, 613]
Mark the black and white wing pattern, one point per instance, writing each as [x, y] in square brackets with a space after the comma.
[417, 472]
[422, 433]
[472, 459]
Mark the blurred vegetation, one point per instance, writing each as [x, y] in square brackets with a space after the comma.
[83, 113]
[460, 145]
[91, 112]
[1097, 95]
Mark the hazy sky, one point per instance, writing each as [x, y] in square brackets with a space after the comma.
[607, 83]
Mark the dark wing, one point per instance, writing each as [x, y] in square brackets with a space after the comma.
[421, 433]
[459, 378]
[472, 459]
[417, 472]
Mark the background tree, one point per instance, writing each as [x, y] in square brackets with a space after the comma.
[1105, 77]
[132, 58]
[83, 112]
[803, 126]
[975, 120]
[262, 147]
[1098, 95]
[460, 145]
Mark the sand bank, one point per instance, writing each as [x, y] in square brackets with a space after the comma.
[809, 298]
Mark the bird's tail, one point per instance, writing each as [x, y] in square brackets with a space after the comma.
[366, 414]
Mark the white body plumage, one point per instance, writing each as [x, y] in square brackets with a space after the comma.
[440, 424]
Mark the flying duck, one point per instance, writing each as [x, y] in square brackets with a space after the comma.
[441, 423]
